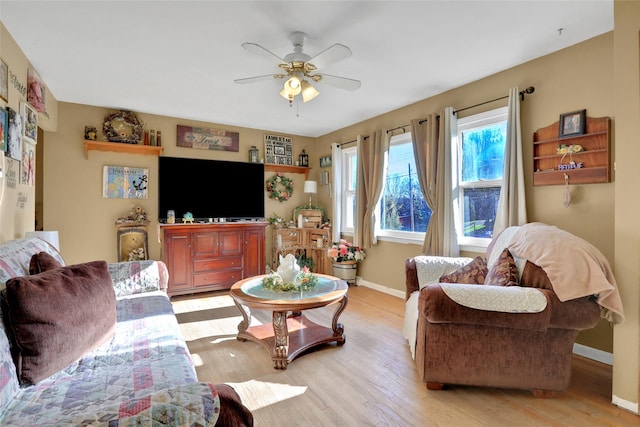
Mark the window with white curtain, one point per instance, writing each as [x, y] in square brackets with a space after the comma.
[402, 211]
[348, 190]
[480, 158]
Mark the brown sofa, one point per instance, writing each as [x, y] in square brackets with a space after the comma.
[456, 344]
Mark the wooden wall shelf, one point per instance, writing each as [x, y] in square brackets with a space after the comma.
[595, 158]
[288, 169]
[122, 148]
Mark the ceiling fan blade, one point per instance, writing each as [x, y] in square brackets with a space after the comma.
[330, 55]
[260, 51]
[339, 82]
[259, 78]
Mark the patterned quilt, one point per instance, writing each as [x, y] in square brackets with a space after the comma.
[143, 376]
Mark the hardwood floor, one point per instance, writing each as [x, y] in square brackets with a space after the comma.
[371, 380]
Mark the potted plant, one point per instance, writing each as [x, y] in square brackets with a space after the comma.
[345, 258]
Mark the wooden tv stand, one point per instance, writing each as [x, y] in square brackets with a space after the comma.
[212, 256]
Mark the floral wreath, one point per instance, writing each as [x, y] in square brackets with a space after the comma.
[129, 119]
[274, 192]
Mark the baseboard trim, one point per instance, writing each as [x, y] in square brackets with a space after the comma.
[625, 404]
[593, 354]
[383, 289]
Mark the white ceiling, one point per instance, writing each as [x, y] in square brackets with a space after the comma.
[179, 58]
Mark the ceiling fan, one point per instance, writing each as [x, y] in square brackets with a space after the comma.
[299, 68]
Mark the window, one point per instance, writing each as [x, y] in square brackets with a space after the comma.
[480, 156]
[403, 212]
[348, 195]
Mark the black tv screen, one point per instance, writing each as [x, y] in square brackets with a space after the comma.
[210, 189]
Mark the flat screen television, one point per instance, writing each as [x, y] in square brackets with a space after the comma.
[210, 189]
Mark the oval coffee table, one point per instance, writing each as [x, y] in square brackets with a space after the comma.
[291, 333]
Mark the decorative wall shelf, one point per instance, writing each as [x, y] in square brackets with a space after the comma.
[122, 148]
[595, 158]
[287, 169]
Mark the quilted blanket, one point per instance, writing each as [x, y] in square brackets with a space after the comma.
[143, 376]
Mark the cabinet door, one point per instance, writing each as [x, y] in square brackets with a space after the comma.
[230, 242]
[177, 256]
[205, 244]
[254, 256]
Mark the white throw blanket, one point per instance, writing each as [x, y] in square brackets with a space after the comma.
[504, 299]
[429, 269]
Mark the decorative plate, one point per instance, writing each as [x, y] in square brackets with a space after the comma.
[123, 126]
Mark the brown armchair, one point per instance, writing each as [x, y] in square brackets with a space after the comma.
[457, 344]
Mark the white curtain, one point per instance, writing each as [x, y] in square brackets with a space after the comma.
[336, 173]
[448, 176]
[512, 209]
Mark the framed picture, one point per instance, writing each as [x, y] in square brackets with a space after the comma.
[122, 182]
[278, 150]
[3, 129]
[572, 124]
[36, 91]
[207, 139]
[14, 135]
[29, 123]
[28, 174]
[4, 81]
[325, 161]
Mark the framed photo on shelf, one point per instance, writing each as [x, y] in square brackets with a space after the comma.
[572, 124]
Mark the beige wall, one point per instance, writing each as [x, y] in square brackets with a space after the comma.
[626, 50]
[73, 180]
[564, 81]
[582, 76]
[18, 204]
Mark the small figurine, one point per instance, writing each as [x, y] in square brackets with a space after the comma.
[187, 218]
[288, 268]
[90, 133]
[136, 215]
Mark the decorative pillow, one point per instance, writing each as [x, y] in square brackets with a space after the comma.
[535, 277]
[43, 261]
[59, 315]
[472, 273]
[504, 272]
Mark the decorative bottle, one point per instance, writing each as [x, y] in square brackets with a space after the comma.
[146, 137]
[153, 137]
[158, 139]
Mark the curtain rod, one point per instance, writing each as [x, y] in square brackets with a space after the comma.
[522, 93]
[352, 141]
[406, 126]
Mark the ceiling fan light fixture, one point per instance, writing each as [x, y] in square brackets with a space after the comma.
[292, 86]
[308, 91]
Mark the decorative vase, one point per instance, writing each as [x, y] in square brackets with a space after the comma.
[346, 271]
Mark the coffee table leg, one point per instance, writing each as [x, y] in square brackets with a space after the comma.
[338, 329]
[281, 344]
[246, 316]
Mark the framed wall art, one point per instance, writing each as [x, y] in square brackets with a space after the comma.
[14, 135]
[207, 139]
[3, 129]
[36, 91]
[28, 163]
[122, 182]
[29, 123]
[572, 124]
[278, 150]
[4, 81]
[325, 161]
